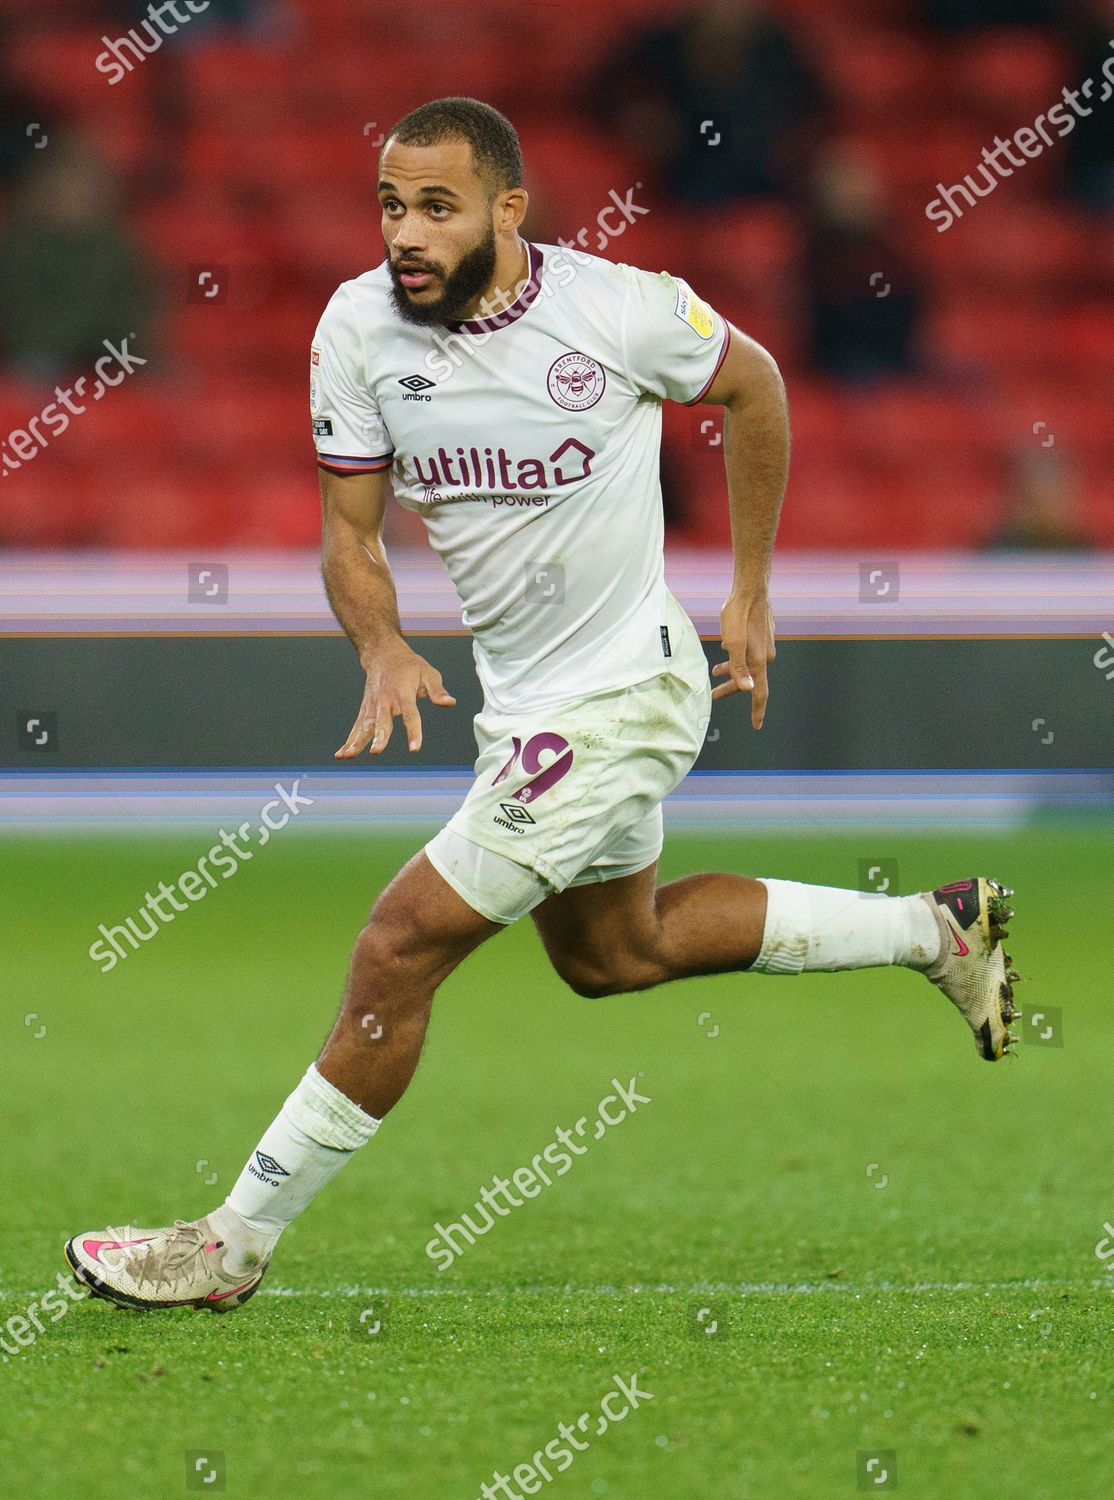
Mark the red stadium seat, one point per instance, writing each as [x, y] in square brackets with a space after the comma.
[1034, 246]
[878, 73]
[273, 188]
[1009, 75]
[60, 66]
[51, 503]
[1098, 503]
[914, 158]
[238, 83]
[1086, 339]
[903, 423]
[353, 244]
[967, 334]
[243, 424]
[753, 249]
[575, 172]
[270, 158]
[1075, 418]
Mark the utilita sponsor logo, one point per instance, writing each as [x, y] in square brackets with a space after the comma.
[496, 469]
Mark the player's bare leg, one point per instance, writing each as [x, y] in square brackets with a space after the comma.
[614, 936]
[418, 931]
[630, 933]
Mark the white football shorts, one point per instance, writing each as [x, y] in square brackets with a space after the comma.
[571, 795]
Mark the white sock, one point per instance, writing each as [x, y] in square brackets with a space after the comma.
[317, 1130]
[821, 927]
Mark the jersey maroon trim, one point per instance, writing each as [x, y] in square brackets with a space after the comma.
[719, 363]
[515, 309]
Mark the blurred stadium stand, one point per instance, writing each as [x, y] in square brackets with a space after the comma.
[246, 144]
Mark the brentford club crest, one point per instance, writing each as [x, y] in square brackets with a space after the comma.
[576, 382]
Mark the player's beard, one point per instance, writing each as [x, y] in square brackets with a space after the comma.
[472, 274]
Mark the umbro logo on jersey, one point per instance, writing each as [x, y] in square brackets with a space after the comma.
[415, 385]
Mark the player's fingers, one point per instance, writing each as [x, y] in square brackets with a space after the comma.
[741, 674]
[759, 698]
[725, 689]
[438, 693]
[385, 712]
[359, 734]
[412, 720]
[739, 671]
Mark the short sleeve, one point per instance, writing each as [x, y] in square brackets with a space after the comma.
[348, 428]
[673, 342]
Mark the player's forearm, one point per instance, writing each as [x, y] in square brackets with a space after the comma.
[756, 456]
[361, 591]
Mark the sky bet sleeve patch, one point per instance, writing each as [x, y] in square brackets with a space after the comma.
[690, 310]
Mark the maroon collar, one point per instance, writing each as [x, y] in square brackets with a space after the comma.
[513, 310]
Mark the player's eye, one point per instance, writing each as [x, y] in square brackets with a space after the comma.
[390, 204]
[439, 210]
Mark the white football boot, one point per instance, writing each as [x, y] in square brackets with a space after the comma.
[182, 1266]
[972, 969]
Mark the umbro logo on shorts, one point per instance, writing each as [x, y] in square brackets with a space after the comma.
[517, 814]
[415, 385]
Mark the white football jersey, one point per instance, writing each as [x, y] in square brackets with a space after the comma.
[529, 443]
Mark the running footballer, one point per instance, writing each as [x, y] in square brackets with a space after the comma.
[510, 393]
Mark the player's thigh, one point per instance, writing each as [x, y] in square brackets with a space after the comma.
[588, 928]
[419, 913]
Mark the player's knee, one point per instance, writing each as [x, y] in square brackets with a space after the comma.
[589, 985]
[390, 950]
[620, 975]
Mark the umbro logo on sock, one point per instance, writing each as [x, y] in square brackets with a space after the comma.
[267, 1169]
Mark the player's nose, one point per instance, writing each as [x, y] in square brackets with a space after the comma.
[408, 236]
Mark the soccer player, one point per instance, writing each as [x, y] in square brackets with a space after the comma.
[510, 393]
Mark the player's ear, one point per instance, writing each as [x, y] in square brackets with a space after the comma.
[510, 208]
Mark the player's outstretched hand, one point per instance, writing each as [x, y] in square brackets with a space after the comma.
[396, 679]
[747, 632]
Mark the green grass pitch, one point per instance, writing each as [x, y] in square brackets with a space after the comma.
[832, 1232]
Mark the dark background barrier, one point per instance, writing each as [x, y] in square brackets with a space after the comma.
[264, 701]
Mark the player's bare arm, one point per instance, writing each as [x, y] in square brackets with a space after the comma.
[756, 456]
[362, 593]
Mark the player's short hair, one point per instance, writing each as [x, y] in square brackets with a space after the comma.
[495, 146]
